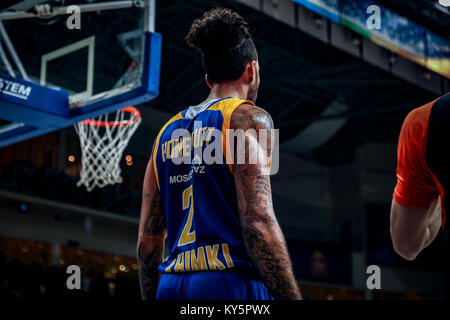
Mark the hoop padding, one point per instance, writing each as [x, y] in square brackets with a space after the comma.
[102, 144]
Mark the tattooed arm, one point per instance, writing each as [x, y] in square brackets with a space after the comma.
[262, 234]
[152, 232]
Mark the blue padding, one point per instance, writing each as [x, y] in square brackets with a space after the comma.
[33, 96]
[36, 118]
[152, 62]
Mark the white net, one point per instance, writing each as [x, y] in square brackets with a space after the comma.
[102, 144]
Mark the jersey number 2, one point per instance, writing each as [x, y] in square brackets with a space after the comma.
[188, 203]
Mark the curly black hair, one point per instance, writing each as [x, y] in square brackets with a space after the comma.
[222, 38]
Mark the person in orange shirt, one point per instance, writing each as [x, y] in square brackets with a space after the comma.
[423, 178]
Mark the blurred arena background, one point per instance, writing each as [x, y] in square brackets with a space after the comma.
[337, 93]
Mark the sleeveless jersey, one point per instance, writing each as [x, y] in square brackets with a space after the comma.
[198, 195]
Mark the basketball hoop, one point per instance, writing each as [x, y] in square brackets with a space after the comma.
[102, 145]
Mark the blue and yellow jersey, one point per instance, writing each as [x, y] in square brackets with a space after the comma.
[199, 197]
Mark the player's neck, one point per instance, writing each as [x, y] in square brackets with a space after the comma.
[223, 90]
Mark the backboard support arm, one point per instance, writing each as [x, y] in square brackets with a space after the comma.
[149, 16]
[12, 51]
[5, 61]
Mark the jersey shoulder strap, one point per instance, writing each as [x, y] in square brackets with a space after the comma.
[156, 145]
[226, 107]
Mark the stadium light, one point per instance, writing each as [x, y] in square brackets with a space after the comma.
[444, 3]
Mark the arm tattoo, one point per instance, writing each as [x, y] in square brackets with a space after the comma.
[148, 271]
[273, 262]
[155, 221]
[151, 247]
[261, 233]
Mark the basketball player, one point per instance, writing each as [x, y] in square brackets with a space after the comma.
[224, 241]
[423, 178]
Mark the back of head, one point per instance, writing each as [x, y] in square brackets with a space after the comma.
[222, 38]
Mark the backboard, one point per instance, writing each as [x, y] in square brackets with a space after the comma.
[60, 64]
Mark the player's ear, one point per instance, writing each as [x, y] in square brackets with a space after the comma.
[251, 71]
[208, 81]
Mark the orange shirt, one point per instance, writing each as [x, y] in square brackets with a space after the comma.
[417, 185]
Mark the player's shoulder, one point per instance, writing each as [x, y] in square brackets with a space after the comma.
[418, 117]
[250, 116]
[421, 114]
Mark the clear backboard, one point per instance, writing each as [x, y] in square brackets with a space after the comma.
[61, 63]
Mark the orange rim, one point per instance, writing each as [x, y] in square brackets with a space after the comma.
[115, 124]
